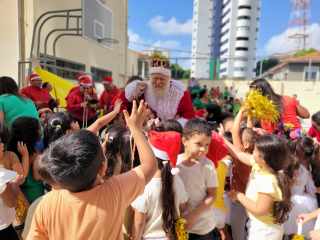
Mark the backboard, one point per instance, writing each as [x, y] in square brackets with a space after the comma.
[97, 22]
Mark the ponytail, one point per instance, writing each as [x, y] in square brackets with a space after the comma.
[169, 212]
[315, 161]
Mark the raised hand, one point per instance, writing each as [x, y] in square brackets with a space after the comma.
[137, 115]
[117, 105]
[22, 149]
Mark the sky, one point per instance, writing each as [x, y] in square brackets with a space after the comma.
[169, 24]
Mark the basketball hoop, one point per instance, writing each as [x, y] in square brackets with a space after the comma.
[109, 40]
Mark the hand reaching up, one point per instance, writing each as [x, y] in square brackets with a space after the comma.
[117, 105]
[137, 115]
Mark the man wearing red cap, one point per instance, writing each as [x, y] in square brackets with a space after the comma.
[109, 93]
[167, 99]
[77, 102]
[38, 95]
[79, 77]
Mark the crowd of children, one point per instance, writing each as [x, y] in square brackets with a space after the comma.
[221, 176]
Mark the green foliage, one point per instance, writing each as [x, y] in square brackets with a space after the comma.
[305, 52]
[179, 71]
[186, 73]
[159, 56]
[267, 64]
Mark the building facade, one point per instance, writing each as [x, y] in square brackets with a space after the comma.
[234, 26]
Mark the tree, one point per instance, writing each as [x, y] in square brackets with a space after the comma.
[159, 56]
[179, 70]
[305, 52]
[266, 65]
[186, 73]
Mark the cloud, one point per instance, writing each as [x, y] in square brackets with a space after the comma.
[171, 27]
[186, 64]
[167, 44]
[279, 43]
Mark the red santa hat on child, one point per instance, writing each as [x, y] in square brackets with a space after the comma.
[166, 146]
[34, 77]
[199, 113]
[86, 82]
[217, 149]
[107, 80]
[80, 76]
[160, 66]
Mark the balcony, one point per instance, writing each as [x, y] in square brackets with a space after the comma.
[241, 53]
[243, 43]
[244, 12]
[243, 23]
[257, 35]
[239, 74]
[245, 2]
[240, 63]
[243, 33]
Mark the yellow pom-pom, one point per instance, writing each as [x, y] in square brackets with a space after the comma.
[21, 207]
[298, 237]
[261, 107]
[180, 230]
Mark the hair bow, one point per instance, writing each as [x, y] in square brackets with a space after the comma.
[301, 132]
[285, 127]
[259, 131]
[212, 122]
[156, 122]
[58, 126]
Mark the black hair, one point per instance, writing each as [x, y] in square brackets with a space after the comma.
[45, 84]
[117, 117]
[214, 127]
[256, 123]
[250, 137]
[57, 125]
[115, 133]
[26, 130]
[228, 136]
[226, 114]
[133, 78]
[316, 118]
[73, 161]
[172, 125]
[10, 87]
[195, 126]
[214, 109]
[125, 153]
[226, 120]
[4, 134]
[273, 150]
[202, 92]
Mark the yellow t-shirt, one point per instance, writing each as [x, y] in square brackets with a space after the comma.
[221, 175]
[265, 182]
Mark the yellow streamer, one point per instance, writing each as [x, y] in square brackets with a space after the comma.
[180, 230]
[261, 107]
[299, 237]
[20, 207]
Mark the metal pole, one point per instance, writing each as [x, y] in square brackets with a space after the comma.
[309, 74]
[176, 68]
[261, 63]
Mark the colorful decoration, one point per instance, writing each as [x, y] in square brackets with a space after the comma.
[261, 107]
[20, 207]
[156, 122]
[301, 132]
[298, 237]
[180, 230]
[285, 127]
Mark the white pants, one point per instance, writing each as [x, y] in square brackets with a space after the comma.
[219, 217]
[257, 230]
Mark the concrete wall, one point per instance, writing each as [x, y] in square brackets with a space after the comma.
[308, 92]
[296, 70]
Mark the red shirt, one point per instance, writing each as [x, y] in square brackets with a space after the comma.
[74, 105]
[108, 97]
[77, 88]
[38, 94]
[289, 115]
[214, 92]
[313, 133]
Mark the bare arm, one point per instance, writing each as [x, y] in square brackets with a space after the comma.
[302, 112]
[11, 194]
[139, 223]
[236, 138]
[148, 160]
[237, 153]
[1, 116]
[23, 167]
[183, 207]
[33, 160]
[250, 122]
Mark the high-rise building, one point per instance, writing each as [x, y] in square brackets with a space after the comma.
[231, 27]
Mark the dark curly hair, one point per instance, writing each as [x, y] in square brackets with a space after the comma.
[53, 132]
[250, 137]
[196, 126]
[274, 151]
[172, 125]
[169, 211]
[115, 132]
[4, 134]
[26, 130]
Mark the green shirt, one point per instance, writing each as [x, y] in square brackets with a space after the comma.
[226, 93]
[236, 108]
[199, 104]
[12, 108]
[194, 91]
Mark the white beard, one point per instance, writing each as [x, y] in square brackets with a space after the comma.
[160, 92]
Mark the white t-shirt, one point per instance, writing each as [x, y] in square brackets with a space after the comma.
[150, 203]
[7, 215]
[197, 179]
[192, 83]
[231, 93]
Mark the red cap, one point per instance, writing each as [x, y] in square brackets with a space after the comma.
[80, 76]
[166, 146]
[34, 76]
[107, 80]
[86, 82]
[200, 113]
[217, 149]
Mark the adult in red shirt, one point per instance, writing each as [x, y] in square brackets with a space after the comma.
[314, 131]
[41, 97]
[79, 77]
[77, 102]
[289, 108]
[109, 93]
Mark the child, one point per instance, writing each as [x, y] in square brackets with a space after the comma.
[78, 168]
[200, 179]
[212, 113]
[267, 198]
[310, 217]
[164, 198]
[228, 124]
[314, 131]
[42, 119]
[9, 193]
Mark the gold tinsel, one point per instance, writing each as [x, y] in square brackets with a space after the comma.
[298, 237]
[260, 107]
[21, 207]
[180, 230]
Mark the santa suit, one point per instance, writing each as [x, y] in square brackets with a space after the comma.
[108, 97]
[176, 102]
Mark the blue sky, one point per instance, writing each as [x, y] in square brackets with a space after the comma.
[169, 24]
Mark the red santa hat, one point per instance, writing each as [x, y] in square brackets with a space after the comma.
[107, 80]
[80, 76]
[160, 66]
[166, 146]
[199, 113]
[34, 76]
[86, 82]
[217, 149]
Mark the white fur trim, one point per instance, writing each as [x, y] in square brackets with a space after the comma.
[166, 107]
[79, 78]
[175, 171]
[130, 91]
[37, 77]
[160, 154]
[86, 84]
[183, 121]
[161, 70]
[106, 82]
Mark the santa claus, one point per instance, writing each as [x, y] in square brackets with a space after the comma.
[167, 99]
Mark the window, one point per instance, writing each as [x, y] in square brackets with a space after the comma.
[224, 5]
[244, 17]
[225, 32]
[241, 60]
[98, 74]
[225, 23]
[314, 74]
[224, 42]
[224, 61]
[195, 30]
[195, 13]
[243, 28]
[224, 51]
[244, 7]
[223, 70]
[242, 39]
[240, 69]
[241, 49]
[226, 13]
